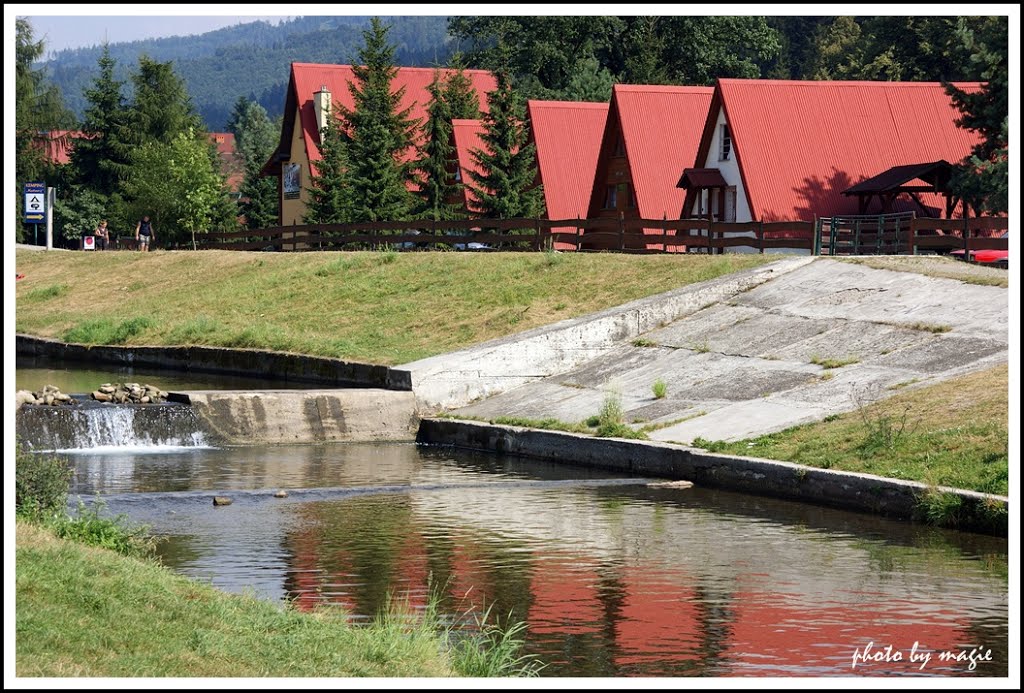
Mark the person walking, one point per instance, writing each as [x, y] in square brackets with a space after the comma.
[102, 234]
[144, 233]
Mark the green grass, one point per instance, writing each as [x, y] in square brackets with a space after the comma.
[644, 342]
[44, 293]
[659, 389]
[87, 611]
[375, 306]
[832, 362]
[953, 433]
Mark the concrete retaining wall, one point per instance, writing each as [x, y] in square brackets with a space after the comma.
[303, 416]
[247, 362]
[864, 492]
[457, 378]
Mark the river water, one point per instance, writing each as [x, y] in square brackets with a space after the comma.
[613, 577]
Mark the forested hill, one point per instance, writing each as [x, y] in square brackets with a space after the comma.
[251, 59]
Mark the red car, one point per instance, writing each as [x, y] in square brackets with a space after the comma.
[987, 257]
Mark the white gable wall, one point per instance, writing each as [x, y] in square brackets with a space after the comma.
[730, 170]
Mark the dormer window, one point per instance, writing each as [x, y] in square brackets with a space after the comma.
[725, 148]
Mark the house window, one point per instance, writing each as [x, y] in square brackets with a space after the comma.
[725, 151]
[458, 174]
[620, 147]
[611, 197]
[625, 193]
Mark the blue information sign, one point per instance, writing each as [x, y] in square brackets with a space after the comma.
[35, 203]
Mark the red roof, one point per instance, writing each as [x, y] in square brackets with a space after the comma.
[308, 78]
[231, 164]
[661, 129]
[801, 143]
[466, 136]
[568, 138]
[56, 145]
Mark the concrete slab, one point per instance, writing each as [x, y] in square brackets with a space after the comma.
[742, 367]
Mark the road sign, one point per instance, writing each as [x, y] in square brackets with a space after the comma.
[35, 203]
[88, 242]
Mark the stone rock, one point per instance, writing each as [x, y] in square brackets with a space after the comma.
[23, 397]
[48, 399]
[61, 397]
[671, 484]
[280, 494]
[145, 399]
[102, 396]
[108, 389]
[221, 500]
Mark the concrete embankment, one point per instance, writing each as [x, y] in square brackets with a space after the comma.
[457, 378]
[271, 365]
[895, 498]
[304, 416]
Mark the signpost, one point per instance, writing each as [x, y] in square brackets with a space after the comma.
[35, 206]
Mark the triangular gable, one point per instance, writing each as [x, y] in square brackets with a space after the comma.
[799, 144]
[660, 128]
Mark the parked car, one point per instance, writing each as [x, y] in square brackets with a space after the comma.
[999, 258]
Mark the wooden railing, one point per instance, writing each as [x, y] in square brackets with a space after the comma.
[904, 234]
[624, 235]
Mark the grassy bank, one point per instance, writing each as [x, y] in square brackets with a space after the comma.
[85, 611]
[953, 433]
[386, 308]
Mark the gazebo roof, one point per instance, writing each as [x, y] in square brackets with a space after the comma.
[929, 177]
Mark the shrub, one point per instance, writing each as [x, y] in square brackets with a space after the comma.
[659, 388]
[106, 331]
[41, 484]
[114, 533]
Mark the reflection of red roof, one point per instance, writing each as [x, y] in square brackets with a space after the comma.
[783, 635]
[801, 143]
[308, 78]
[56, 145]
[231, 164]
[568, 139]
[660, 128]
[466, 136]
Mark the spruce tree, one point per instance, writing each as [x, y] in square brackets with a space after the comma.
[255, 140]
[379, 134]
[330, 192]
[506, 184]
[437, 186]
[459, 92]
[96, 157]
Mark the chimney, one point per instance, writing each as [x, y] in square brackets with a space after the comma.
[322, 107]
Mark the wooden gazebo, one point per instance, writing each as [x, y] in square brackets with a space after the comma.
[911, 179]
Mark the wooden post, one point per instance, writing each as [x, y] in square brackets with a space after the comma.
[622, 231]
[579, 233]
[967, 234]
[760, 236]
[664, 232]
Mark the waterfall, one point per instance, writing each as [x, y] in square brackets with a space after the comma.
[121, 426]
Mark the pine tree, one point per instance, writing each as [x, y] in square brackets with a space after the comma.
[379, 133]
[330, 192]
[437, 186]
[255, 139]
[459, 92]
[97, 158]
[39, 107]
[506, 185]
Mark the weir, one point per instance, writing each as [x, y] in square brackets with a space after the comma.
[93, 425]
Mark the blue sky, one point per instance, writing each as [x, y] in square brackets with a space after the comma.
[67, 31]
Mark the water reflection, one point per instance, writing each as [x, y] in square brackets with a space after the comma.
[613, 580]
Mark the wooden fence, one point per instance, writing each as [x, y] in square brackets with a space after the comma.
[905, 234]
[622, 235]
